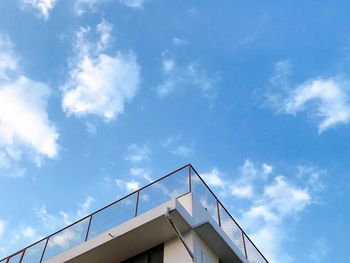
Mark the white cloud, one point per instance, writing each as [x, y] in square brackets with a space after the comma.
[128, 185]
[8, 58]
[91, 128]
[283, 70]
[2, 228]
[132, 3]
[138, 153]
[28, 232]
[213, 178]
[244, 186]
[277, 201]
[272, 202]
[81, 5]
[242, 191]
[267, 169]
[63, 218]
[168, 65]
[179, 41]
[63, 239]
[325, 99]
[102, 87]
[44, 7]
[174, 145]
[170, 141]
[24, 123]
[27, 121]
[248, 171]
[139, 173]
[100, 84]
[190, 76]
[312, 176]
[45, 217]
[104, 29]
[266, 220]
[16, 238]
[143, 173]
[85, 207]
[183, 150]
[286, 198]
[320, 250]
[132, 185]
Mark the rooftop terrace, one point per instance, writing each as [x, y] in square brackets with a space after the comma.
[171, 186]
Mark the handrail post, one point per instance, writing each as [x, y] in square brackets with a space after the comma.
[42, 256]
[245, 248]
[137, 202]
[189, 178]
[20, 260]
[218, 209]
[88, 229]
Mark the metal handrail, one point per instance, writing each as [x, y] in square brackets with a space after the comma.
[136, 212]
[217, 199]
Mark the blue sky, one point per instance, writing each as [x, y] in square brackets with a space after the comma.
[98, 97]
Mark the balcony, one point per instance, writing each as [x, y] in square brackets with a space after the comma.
[135, 207]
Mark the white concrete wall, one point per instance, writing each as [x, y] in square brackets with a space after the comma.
[175, 252]
[202, 252]
[186, 202]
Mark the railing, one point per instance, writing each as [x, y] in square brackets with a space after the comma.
[171, 186]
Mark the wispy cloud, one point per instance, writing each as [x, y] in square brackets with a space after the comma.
[132, 3]
[100, 84]
[266, 219]
[63, 218]
[25, 127]
[81, 6]
[213, 178]
[144, 173]
[182, 150]
[137, 156]
[63, 239]
[138, 153]
[244, 186]
[2, 228]
[320, 250]
[177, 41]
[8, 58]
[272, 204]
[128, 186]
[282, 73]
[266, 168]
[138, 176]
[23, 233]
[273, 211]
[43, 7]
[175, 146]
[15, 238]
[91, 128]
[325, 100]
[191, 75]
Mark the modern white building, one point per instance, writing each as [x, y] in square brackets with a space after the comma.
[176, 219]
